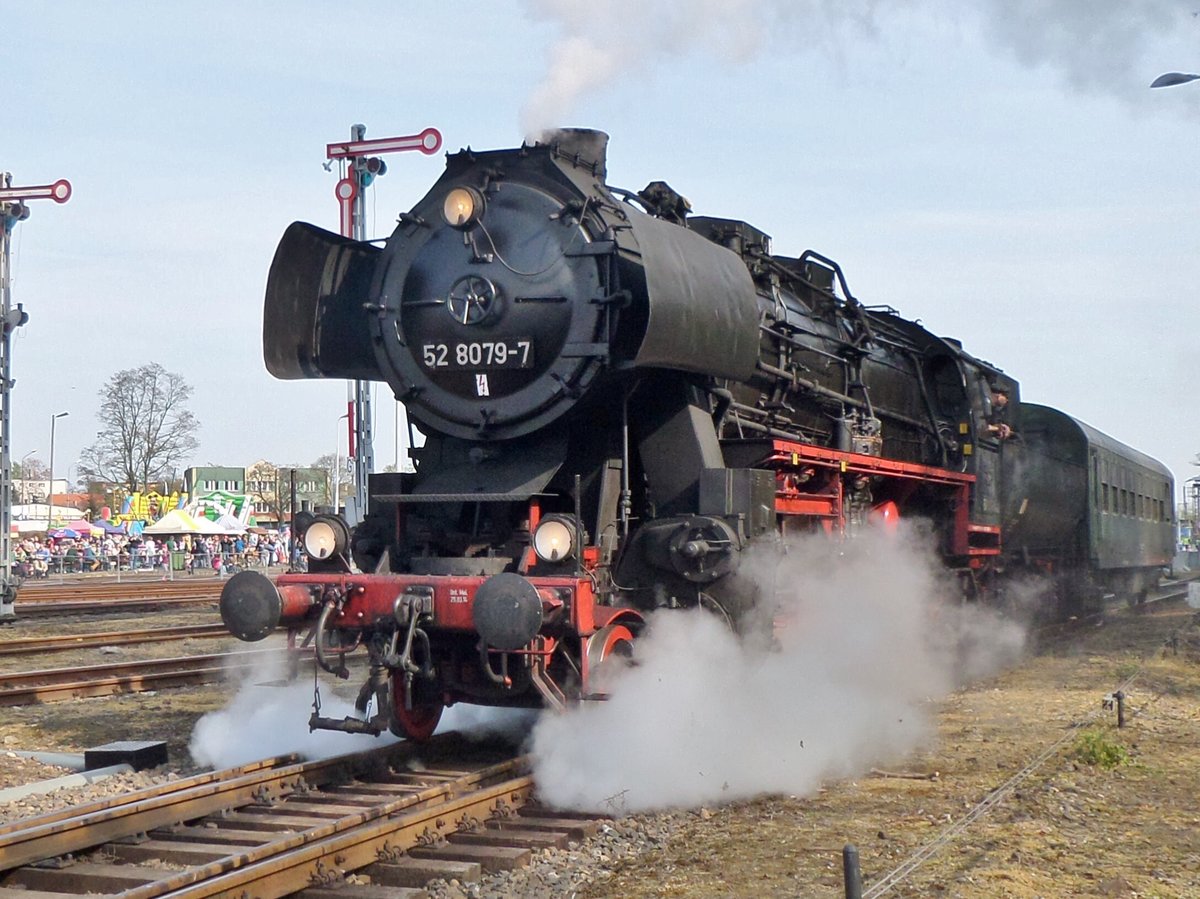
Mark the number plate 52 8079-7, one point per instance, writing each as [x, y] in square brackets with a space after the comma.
[517, 353]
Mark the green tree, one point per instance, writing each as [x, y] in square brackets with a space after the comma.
[146, 429]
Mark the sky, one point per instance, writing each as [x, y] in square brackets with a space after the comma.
[999, 171]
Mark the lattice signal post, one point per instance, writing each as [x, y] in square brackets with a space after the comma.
[12, 210]
[361, 165]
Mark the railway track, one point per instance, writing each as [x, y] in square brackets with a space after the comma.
[152, 585]
[46, 600]
[1165, 594]
[58, 684]
[50, 609]
[399, 817]
[62, 642]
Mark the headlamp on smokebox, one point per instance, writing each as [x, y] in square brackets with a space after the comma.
[326, 540]
[462, 208]
[554, 538]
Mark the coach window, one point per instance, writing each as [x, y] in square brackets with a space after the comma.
[1104, 497]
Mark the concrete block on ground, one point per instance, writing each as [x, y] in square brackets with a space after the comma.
[139, 754]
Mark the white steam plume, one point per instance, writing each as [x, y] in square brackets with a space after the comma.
[625, 38]
[478, 722]
[705, 717]
[1095, 47]
[266, 718]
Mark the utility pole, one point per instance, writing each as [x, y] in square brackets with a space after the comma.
[359, 167]
[12, 210]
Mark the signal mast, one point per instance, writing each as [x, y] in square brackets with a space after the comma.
[360, 166]
[12, 210]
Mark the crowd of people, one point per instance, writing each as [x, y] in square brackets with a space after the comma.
[41, 557]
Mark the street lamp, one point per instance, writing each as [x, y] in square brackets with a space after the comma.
[337, 460]
[1172, 78]
[50, 502]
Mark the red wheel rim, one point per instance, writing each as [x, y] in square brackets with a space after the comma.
[419, 722]
[609, 641]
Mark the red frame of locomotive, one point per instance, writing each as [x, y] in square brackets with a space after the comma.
[366, 599]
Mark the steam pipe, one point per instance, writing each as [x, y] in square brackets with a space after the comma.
[769, 369]
[319, 643]
[811, 386]
[788, 338]
[764, 429]
[578, 528]
[933, 423]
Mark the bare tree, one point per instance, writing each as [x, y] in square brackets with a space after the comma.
[146, 428]
[32, 469]
[344, 474]
[31, 480]
[264, 488]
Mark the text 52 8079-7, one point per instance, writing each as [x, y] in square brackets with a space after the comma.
[478, 355]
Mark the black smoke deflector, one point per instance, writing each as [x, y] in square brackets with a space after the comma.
[314, 323]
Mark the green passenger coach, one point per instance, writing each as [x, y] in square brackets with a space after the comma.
[1101, 511]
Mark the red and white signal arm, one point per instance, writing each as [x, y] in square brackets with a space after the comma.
[428, 142]
[346, 192]
[59, 192]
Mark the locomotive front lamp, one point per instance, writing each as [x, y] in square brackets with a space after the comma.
[462, 207]
[327, 536]
[554, 538]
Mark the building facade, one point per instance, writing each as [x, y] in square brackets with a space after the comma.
[269, 488]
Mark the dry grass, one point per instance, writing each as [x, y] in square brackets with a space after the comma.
[1070, 829]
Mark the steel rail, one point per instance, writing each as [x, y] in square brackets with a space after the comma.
[114, 589]
[440, 802]
[29, 645]
[321, 854]
[67, 607]
[111, 804]
[55, 684]
[78, 828]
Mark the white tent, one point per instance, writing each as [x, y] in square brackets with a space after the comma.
[230, 525]
[178, 521]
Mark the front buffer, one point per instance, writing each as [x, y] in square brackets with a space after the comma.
[431, 641]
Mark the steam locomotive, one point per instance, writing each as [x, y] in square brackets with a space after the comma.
[619, 398]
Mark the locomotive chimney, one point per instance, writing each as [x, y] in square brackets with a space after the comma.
[589, 145]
